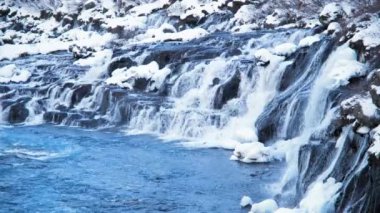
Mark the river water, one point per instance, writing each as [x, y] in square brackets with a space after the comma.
[58, 169]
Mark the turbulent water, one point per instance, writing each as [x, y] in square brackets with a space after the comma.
[297, 99]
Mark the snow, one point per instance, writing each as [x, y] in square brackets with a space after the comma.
[263, 55]
[265, 206]
[375, 146]
[369, 35]
[309, 40]
[342, 66]
[245, 14]
[168, 33]
[285, 49]
[245, 201]
[148, 8]
[368, 108]
[333, 28]
[321, 196]
[10, 73]
[331, 12]
[251, 152]
[75, 36]
[363, 130]
[124, 77]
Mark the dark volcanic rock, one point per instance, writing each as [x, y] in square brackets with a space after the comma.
[90, 4]
[80, 92]
[17, 113]
[55, 117]
[227, 91]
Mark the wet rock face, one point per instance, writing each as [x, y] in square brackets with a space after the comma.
[55, 117]
[313, 158]
[80, 92]
[227, 91]
[374, 180]
[17, 113]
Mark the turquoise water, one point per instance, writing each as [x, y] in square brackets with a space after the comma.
[59, 169]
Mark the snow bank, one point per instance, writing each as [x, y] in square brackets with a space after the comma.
[309, 40]
[10, 73]
[285, 49]
[75, 36]
[265, 206]
[251, 152]
[124, 77]
[321, 196]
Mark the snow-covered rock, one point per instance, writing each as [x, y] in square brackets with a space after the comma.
[152, 76]
[266, 206]
[331, 12]
[334, 28]
[278, 17]
[10, 73]
[362, 109]
[285, 49]
[245, 201]
[309, 40]
[251, 152]
[367, 35]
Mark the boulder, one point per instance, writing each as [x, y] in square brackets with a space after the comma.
[90, 4]
[17, 113]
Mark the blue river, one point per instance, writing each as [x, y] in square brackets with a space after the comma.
[60, 169]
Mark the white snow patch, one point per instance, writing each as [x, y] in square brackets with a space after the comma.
[363, 130]
[331, 12]
[168, 33]
[285, 49]
[10, 73]
[252, 152]
[266, 206]
[75, 36]
[124, 77]
[370, 35]
[309, 40]
[333, 28]
[375, 147]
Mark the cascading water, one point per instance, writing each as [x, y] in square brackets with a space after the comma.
[270, 95]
